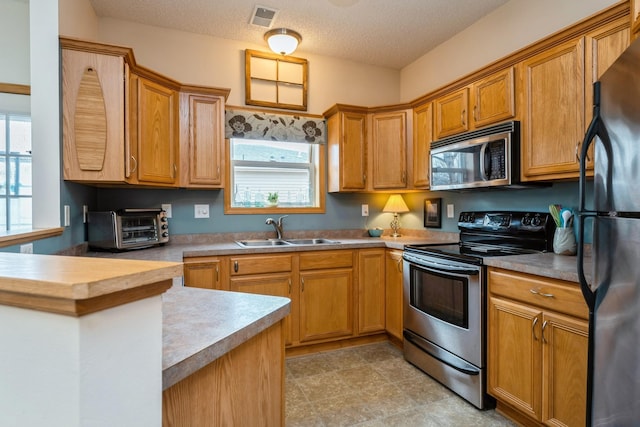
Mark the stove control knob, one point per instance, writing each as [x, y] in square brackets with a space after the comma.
[536, 221]
[526, 220]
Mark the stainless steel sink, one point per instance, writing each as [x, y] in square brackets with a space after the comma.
[312, 242]
[268, 243]
[262, 243]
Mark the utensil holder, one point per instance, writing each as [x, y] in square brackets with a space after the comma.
[564, 241]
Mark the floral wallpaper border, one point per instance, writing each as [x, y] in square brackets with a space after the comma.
[276, 127]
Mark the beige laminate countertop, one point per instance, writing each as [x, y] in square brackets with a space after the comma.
[176, 251]
[545, 264]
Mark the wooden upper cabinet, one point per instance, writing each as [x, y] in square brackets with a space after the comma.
[157, 133]
[602, 48]
[346, 140]
[553, 125]
[202, 141]
[635, 18]
[484, 102]
[389, 150]
[452, 113]
[93, 112]
[422, 137]
[493, 98]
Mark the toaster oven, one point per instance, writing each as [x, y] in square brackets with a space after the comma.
[127, 229]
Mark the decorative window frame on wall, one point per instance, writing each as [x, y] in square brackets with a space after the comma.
[277, 81]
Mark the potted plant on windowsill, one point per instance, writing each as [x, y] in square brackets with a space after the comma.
[272, 199]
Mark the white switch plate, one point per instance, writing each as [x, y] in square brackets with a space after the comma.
[365, 210]
[67, 215]
[27, 248]
[201, 211]
[450, 212]
[167, 208]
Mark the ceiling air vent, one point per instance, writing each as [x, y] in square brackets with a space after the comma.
[263, 16]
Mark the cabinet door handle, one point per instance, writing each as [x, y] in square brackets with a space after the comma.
[462, 117]
[475, 116]
[217, 273]
[135, 164]
[302, 284]
[399, 265]
[235, 266]
[175, 171]
[289, 286]
[533, 329]
[404, 177]
[544, 325]
[542, 294]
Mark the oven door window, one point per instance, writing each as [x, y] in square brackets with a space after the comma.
[441, 295]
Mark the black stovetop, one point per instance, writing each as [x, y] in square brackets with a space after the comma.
[486, 234]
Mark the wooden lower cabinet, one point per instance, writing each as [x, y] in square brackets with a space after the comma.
[393, 293]
[335, 294]
[537, 348]
[326, 295]
[266, 275]
[276, 284]
[326, 308]
[244, 387]
[371, 290]
[203, 272]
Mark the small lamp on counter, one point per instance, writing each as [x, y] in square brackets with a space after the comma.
[395, 205]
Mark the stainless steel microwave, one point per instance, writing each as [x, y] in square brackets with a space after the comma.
[127, 229]
[487, 157]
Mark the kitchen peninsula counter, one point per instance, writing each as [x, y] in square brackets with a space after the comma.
[200, 326]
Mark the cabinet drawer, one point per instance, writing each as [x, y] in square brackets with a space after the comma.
[260, 264]
[326, 259]
[557, 295]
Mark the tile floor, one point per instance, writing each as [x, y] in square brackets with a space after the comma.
[372, 385]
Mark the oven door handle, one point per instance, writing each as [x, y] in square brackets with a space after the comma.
[440, 267]
[440, 354]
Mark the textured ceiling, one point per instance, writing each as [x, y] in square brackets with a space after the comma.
[389, 33]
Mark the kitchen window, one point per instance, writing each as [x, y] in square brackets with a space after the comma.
[15, 171]
[275, 175]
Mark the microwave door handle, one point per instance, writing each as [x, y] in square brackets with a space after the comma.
[483, 162]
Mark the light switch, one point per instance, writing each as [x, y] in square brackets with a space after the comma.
[450, 212]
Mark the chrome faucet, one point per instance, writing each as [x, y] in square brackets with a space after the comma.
[277, 225]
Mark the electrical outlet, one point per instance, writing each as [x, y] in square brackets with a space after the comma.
[27, 248]
[365, 210]
[450, 212]
[201, 211]
[167, 208]
[67, 215]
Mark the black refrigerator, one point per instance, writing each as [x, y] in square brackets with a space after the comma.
[613, 291]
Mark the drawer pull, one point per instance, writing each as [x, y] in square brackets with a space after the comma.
[533, 329]
[542, 294]
[235, 266]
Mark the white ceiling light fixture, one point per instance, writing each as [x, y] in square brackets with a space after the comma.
[282, 40]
